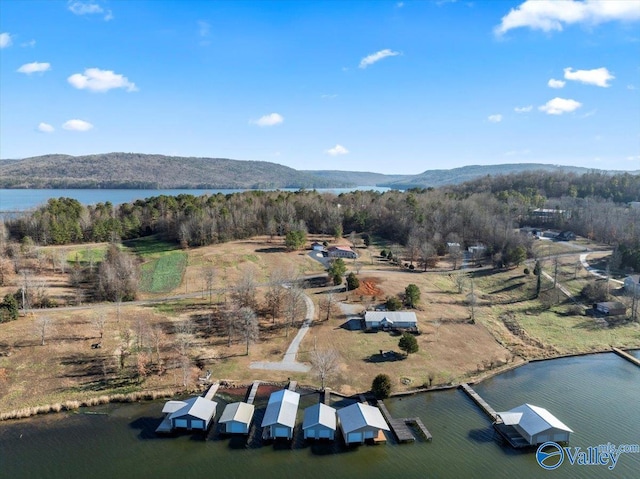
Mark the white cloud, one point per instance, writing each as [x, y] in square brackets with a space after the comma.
[95, 79]
[553, 83]
[598, 76]
[517, 153]
[34, 67]
[89, 8]
[558, 106]
[271, 119]
[337, 150]
[45, 128]
[77, 125]
[523, 109]
[30, 43]
[631, 87]
[5, 40]
[399, 4]
[550, 15]
[203, 28]
[376, 57]
[495, 118]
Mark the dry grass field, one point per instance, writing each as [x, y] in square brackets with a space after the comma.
[509, 326]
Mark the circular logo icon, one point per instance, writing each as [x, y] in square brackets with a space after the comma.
[550, 455]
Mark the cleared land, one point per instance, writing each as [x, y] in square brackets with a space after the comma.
[510, 325]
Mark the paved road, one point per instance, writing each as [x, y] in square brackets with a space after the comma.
[594, 271]
[289, 362]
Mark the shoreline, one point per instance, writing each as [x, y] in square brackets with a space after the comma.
[151, 395]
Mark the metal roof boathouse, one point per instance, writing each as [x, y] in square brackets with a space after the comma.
[280, 417]
[236, 418]
[529, 425]
[360, 422]
[319, 422]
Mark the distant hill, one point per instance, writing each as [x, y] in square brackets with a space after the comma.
[435, 178]
[358, 178]
[132, 170]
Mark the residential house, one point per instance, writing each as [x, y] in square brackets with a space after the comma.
[390, 319]
[341, 252]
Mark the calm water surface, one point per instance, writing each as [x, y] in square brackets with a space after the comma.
[597, 396]
[25, 199]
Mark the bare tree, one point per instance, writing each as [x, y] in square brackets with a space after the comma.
[427, 254]
[325, 363]
[157, 337]
[184, 334]
[118, 277]
[244, 292]
[460, 281]
[43, 326]
[472, 300]
[209, 277]
[353, 239]
[248, 326]
[275, 294]
[328, 306]
[99, 321]
[294, 306]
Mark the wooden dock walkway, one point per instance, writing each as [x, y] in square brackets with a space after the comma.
[400, 426]
[627, 356]
[212, 391]
[253, 392]
[292, 385]
[475, 397]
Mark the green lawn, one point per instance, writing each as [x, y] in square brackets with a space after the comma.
[164, 264]
[86, 254]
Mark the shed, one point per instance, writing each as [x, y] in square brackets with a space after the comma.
[317, 246]
[390, 319]
[280, 417]
[236, 418]
[319, 422]
[610, 308]
[193, 413]
[535, 424]
[360, 422]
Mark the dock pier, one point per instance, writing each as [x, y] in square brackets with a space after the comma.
[400, 426]
[292, 385]
[326, 396]
[212, 391]
[475, 397]
[627, 356]
[252, 392]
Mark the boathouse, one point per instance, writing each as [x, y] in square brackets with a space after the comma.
[280, 417]
[390, 319]
[534, 424]
[193, 413]
[360, 422]
[236, 418]
[319, 422]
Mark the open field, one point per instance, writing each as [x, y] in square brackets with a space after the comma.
[140, 347]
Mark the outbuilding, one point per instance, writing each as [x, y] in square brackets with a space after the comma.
[610, 308]
[390, 319]
[280, 417]
[319, 422]
[535, 424]
[360, 422]
[341, 252]
[236, 418]
[193, 413]
[632, 284]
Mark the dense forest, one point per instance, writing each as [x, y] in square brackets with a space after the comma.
[420, 222]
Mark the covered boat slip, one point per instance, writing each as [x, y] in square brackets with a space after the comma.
[319, 422]
[236, 418]
[529, 425]
[193, 413]
[280, 416]
[360, 422]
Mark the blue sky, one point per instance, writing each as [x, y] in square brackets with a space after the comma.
[390, 87]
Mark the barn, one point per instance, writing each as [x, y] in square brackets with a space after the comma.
[610, 308]
[280, 417]
[236, 418]
[360, 422]
[535, 424]
[390, 319]
[193, 413]
[319, 422]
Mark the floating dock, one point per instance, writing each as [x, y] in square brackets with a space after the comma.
[627, 356]
[400, 426]
[253, 392]
[475, 397]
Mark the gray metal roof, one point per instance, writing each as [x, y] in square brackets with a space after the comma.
[173, 406]
[282, 408]
[391, 316]
[237, 411]
[533, 419]
[319, 415]
[197, 407]
[359, 415]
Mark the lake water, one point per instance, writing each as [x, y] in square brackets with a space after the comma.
[24, 199]
[597, 396]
